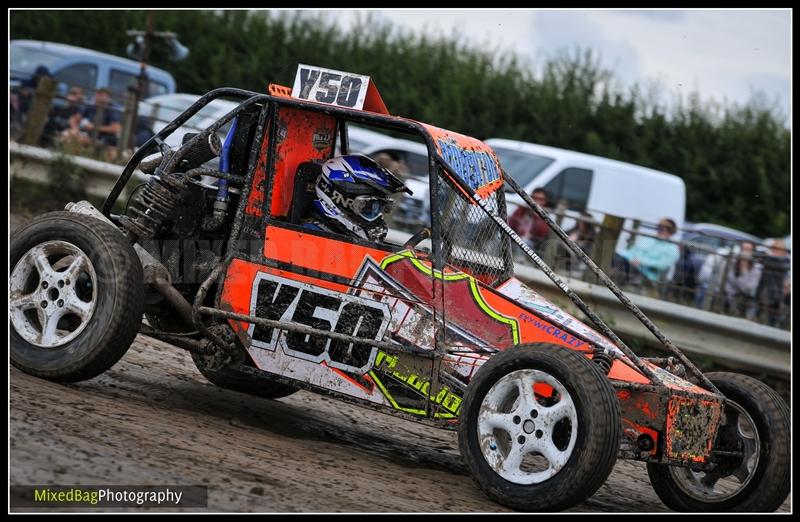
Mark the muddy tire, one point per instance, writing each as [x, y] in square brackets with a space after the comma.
[545, 450]
[225, 370]
[75, 297]
[232, 379]
[757, 424]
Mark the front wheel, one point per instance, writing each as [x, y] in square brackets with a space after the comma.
[75, 297]
[753, 473]
[539, 428]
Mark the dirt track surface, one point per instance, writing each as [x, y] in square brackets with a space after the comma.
[153, 419]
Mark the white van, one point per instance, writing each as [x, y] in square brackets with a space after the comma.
[594, 184]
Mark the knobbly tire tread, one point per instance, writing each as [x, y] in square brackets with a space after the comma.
[596, 448]
[116, 317]
[769, 488]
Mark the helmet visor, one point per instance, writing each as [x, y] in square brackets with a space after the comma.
[370, 207]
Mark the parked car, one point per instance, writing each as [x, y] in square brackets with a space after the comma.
[160, 110]
[361, 139]
[592, 183]
[713, 237]
[90, 69]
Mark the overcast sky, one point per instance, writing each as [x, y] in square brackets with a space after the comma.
[722, 54]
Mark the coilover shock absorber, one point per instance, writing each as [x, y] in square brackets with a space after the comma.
[603, 360]
[157, 202]
[154, 205]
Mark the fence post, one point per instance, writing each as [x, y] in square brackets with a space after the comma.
[128, 124]
[551, 244]
[153, 118]
[40, 109]
[605, 245]
[634, 232]
[720, 298]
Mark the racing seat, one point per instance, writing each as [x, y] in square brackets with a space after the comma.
[304, 192]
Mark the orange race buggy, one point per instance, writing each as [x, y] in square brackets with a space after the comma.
[218, 264]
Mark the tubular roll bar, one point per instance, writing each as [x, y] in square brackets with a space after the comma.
[149, 145]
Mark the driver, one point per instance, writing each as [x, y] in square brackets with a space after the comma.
[353, 194]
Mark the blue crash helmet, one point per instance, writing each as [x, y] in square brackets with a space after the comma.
[354, 191]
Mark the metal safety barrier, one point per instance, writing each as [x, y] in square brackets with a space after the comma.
[727, 341]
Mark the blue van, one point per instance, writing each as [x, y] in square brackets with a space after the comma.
[71, 65]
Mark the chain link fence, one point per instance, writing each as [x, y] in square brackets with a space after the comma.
[471, 240]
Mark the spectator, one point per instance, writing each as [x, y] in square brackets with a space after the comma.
[395, 165]
[685, 287]
[583, 233]
[107, 118]
[528, 225]
[742, 282]
[649, 257]
[29, 86]
[773, 287]
[58, 120]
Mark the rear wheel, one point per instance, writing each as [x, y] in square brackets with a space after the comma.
[225, 373]
[539, 428]
[75, 297]
[754, 475]
[232, 379]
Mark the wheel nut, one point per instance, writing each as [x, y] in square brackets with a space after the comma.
[44, 284]
[60, 302]
[66, 281]
[517, 420]
[539, 434]
[534, 414]
[521, 439]
[61, 284]
[43, 304]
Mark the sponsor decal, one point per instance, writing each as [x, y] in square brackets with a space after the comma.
[322, 138]
[447, 399]
[552, 330]
[477, 168]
